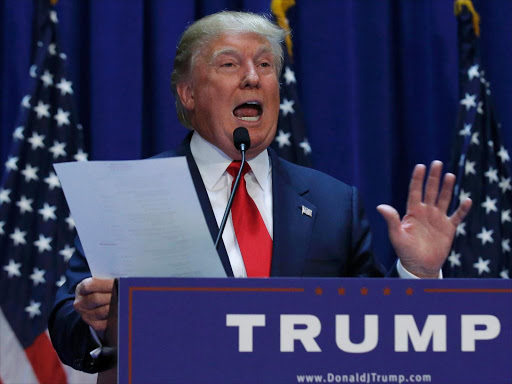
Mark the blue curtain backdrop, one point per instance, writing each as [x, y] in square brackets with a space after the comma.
[377, 79]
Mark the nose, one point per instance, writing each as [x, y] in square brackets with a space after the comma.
[251, 78]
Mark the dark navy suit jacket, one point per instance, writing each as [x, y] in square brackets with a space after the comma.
[334, 242]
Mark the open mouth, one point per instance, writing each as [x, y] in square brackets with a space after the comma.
[249, 111]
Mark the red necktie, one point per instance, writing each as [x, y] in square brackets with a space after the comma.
[251, 233]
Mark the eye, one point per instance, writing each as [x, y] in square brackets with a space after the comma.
[266, 65]
[228, 65]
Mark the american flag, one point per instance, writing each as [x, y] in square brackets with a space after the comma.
[36, 230]
[482, 246]
[291, 142]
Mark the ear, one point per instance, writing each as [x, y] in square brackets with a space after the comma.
[186, 95]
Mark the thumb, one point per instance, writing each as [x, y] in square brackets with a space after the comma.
[391, 216]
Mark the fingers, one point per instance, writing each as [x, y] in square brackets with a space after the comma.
[97, 319]
[92, 301]
[445, 196]
[432, 186]
[460, 214]
[391, 216]
[415, 186]
[432, 193]
[93, 285]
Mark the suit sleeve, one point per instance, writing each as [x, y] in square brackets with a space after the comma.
[70, 335]
[362, 262]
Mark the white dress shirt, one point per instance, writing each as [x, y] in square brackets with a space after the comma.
[212, 164]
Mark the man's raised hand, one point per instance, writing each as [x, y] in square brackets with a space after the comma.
[424, 236]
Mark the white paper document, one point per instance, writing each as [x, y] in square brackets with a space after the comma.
[139, 218]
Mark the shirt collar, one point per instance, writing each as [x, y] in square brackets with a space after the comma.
[212, 163]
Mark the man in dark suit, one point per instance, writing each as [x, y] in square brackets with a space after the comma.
[296, 221]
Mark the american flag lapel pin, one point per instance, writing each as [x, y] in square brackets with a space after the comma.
[307, 211]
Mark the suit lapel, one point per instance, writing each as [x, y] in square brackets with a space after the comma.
[292, 227]
[184, 150]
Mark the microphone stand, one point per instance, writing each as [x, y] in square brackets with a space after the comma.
[231, 197]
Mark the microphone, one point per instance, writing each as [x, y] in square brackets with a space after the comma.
[241, 139]
[242, 142]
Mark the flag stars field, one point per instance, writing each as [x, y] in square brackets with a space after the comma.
[67, 252]
[492, 175]
[71, 222]
[61, 117]
[53, 17]
[42, 110]
[483, 173]
[33, 309]
[61, 281]
[33, 210]
[505, 185]
[470, 167]
[482, 265]
[486, 236]
[468, 101]
[287, 107]
[52, 180]
[12, 163]
[25, 102]
[283, 138]
[480, 108]
[65, 87]
[454, 259]
[305, 146]
[505, 216]
[505, 245]
[47, 78]
[473, 72]
[466, 131]
[37, 276]
[48, 212]
[18, 133]
[503, 154]
[4, 196]
[30, 173]
[36, 140]
[490, 205]
[25, 205]
[81, 156]
[43, 243]
[57, 149]
[464, 195]
[289, 76]
[461, 229]
[18, 237]
[52, 49]
[13, 269]
[474, 138]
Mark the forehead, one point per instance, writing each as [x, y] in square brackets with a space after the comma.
[245, 43]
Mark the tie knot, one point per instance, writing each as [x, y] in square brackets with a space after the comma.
[234, 167]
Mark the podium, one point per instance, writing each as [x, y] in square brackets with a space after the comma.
[291, 330]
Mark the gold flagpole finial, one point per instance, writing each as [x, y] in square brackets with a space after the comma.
[279, 8]
[459, 4]
[53, 2]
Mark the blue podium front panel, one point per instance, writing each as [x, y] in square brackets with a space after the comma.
[315, 331]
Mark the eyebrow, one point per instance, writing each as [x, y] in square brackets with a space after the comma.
[234, 52]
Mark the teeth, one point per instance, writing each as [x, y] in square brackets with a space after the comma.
[252, 103]
[251, 118]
